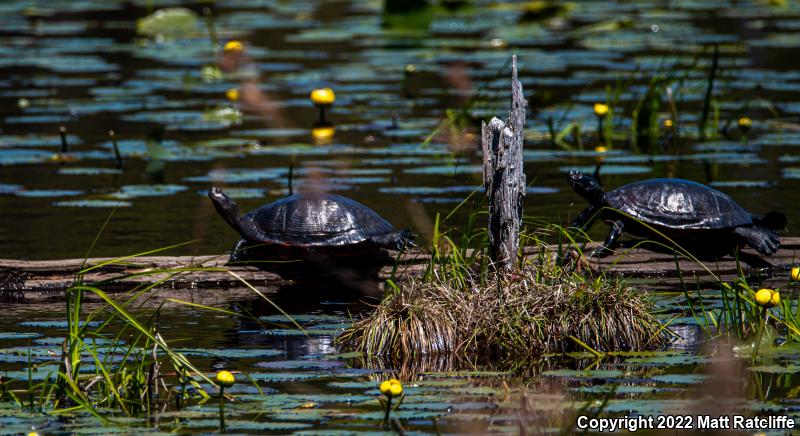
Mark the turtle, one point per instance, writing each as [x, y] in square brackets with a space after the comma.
[693, 215]
[305, 223]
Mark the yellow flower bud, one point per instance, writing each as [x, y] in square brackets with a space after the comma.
[668, 123]
[795, 274]
[233, 47]
[764, 297]
[225, 379]
[776, 298]
[33, 433]
[745, 123]
[323, 96]
[600, 149]
[600, 109]
[391, 388]
[232, 94]
[396, 390]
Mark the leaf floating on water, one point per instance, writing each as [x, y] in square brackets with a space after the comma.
[240, 193]
[743, 184]
[93, 203]
[231, 353]
[15, 335]
[687, 379]
[609, 169]
[245, 426]
[133, 191]
[304, 318]
[293, 332]
[776, 369]
[572, 373]
[88, 171]
[39, 193]
[168, 23]
[6, 189]
[301, 364]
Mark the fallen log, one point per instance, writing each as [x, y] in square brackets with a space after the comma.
[20, 279]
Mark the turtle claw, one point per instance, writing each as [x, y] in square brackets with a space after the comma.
[764, 240]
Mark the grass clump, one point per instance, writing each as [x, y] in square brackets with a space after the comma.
[481, 314]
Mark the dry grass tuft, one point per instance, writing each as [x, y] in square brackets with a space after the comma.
[507, 317]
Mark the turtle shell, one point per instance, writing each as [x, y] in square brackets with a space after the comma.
[678, 203]
[319, 220]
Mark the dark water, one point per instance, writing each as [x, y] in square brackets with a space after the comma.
[82, 65]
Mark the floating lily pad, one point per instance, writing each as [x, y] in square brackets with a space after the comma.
[231, 353]
[18, 335]
[39, 193]
[572, 373]
[88, 171]
[134, 191]
[54, 324]
[93, 203]
[301, 364]
[304, 318]
[168, 23]
[304, 332]
[6, 189]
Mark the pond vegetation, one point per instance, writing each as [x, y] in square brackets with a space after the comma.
[138, 106]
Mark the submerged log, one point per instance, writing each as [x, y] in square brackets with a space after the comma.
[504, 176]
[644, 268]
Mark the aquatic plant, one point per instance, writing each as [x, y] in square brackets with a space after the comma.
[461, 307]
[322, 99]
[224, 379]
[390, 389]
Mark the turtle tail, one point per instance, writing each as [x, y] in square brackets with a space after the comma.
[772, 220]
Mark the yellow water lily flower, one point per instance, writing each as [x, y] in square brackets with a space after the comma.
[225, 379]
[600, 109]
[323, 96]
[776, 299]
[763, 297]
[745, 123]
[233, 47]
[767, 297]
[391, 388]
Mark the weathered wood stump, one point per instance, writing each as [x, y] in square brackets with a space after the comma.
[504, 176]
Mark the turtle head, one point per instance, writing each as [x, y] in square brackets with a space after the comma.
[225, 205]
[586, 186]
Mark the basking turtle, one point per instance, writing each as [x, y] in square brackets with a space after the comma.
[304, 223]
[689, 213]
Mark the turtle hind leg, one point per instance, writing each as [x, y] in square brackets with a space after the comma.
[765, 241]
[395, 241]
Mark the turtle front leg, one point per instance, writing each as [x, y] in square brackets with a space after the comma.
[239, 252]
[612, 240]
[585, 219]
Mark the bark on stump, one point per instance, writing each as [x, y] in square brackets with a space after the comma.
[504, 177]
